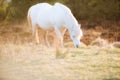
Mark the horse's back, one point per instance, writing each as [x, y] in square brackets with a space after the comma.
[37, 9]
[63, 7]
[46, 15]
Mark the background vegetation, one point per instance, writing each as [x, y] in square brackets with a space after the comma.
[82, 9]
[100, 15]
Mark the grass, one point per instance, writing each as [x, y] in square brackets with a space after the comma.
[21, 59]
[36, 62]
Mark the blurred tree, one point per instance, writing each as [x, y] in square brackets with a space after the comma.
[18, 8]
[82, 9]
[3, 10]
[92, 9]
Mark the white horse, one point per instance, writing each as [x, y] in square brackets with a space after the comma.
[54, 17]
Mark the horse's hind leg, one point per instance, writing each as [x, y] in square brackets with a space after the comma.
[37, 35]
[34, 28]
[29, 20]
[30, 24]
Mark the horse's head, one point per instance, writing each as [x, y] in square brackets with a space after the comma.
[76, 34]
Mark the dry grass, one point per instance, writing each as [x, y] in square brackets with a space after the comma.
[21, 59]
[36, 62]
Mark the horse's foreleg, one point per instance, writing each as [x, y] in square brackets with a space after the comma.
[63, 32]
[46, 39]
[59, 36]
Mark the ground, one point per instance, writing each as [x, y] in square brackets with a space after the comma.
[22, 59]
[36, 62]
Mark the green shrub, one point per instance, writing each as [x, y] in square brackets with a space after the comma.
[82, 9]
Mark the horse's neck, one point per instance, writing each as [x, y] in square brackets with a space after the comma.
[71, 23]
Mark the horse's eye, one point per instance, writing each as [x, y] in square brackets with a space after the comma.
[74, 36]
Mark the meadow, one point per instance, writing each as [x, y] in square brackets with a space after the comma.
[22, 59]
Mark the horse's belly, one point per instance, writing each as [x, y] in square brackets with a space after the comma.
[45, 25]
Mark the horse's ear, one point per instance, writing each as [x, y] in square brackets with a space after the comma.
[79, 25]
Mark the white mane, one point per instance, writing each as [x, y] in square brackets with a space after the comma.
[70, 19]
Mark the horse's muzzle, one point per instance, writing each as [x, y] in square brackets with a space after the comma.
[77, 46]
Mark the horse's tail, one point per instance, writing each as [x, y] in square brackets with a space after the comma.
[30, 21]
